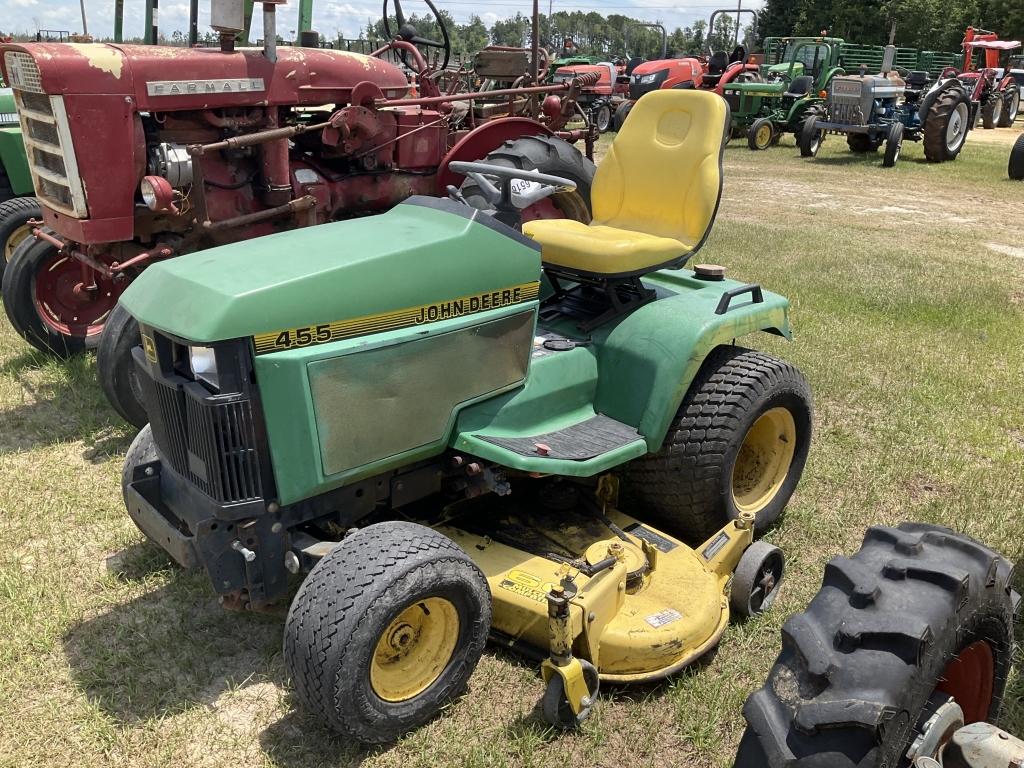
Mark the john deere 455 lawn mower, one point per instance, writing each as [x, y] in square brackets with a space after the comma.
[461, 430]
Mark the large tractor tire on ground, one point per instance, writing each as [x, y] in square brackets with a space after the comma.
[920, 614]
[45, 301]
[738, 442]
[1015, 169]
[115, 367]
[547, 155]
[946, 125]
[14, 227]
[1011, 105]
[386, 630]
[992, 111]
[621, 113]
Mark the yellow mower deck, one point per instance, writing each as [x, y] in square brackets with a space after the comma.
[658, 608]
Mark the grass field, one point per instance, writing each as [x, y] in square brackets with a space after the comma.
[907, 288]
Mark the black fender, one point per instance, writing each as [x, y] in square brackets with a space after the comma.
[925, 105]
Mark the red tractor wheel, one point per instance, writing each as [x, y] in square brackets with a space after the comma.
[57, 304]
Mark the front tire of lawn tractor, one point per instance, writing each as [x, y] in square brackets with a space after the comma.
[1015, 169]
[386, 630]
[115, 367]
[738, 442]
[811, 138]
[893, 145]
[1011, 106]
[761, 134]
[14, 227]
[547, 155]
[992, 111]
[918, 615]
[947, 125]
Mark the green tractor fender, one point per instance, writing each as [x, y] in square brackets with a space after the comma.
[648, 361]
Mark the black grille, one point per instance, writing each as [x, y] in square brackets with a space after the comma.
[209, 440]
[733, 100]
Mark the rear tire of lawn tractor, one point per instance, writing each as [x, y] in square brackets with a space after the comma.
[738, 442]
[992, 111]
[861, 143]
[19, 289]
[115, 367]
[547, 155]
[811, 138]
[947, 124]
[1011, 106]
[1015, 169]
[14, 217]
[761, 134]
[893, 145]
[621, 113]
[386, 630]
[854, 683]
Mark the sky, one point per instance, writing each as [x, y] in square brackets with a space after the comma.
[329, 16]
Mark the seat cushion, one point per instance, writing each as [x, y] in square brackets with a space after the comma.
[601, 250]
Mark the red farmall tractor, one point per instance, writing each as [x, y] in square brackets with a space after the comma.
[993, 88]
[142, 153]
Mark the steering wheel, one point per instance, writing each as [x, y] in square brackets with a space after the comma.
[407, 31]
[510, 196]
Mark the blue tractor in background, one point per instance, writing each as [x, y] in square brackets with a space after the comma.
[890, 107]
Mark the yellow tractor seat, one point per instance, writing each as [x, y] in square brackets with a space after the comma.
[654, 196]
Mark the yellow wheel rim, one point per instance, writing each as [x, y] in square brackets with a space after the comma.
[763, 461]
[414, 650]
[15, 240]
[764, 135]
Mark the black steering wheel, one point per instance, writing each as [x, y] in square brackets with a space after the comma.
[407, 32]
[507, 197]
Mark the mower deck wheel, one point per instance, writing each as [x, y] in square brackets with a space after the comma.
[761, 134]
[738, 443]
[386, 630]
[755, 583]
[115, 367]
[1015, 169]
[893, 145]
[919, 615]
[555, 705]
[1011, 106]
[14, 227]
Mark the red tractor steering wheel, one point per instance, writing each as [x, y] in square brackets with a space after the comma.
[407, 32]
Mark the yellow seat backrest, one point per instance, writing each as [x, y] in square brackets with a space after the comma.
[663, 173]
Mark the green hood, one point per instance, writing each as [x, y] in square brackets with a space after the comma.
[422, 252]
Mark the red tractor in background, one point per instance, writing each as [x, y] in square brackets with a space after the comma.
[142, 153]
[711, 72]
[602, 98]
[993, 87]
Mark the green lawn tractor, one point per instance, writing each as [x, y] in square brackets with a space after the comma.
[790, 91]
[16, 207]
[900, 661]
[454, 429]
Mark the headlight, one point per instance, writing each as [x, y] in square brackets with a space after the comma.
[157, 193]
[203, 363]
[648, 79]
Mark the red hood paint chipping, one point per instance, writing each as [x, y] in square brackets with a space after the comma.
[301, 76]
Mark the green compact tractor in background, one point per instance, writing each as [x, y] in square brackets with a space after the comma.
[16, 208]
[460, 429]
[789, 92]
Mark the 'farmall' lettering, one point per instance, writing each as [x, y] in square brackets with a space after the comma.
[469, 305]
[190, 87]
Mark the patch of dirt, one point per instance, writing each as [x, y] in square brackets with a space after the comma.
[1006, 250]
